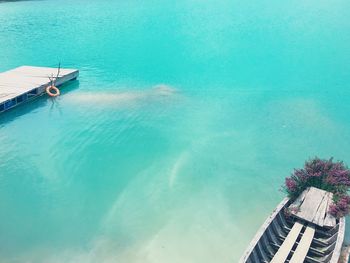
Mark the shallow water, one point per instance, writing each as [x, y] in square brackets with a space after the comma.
[174, 143]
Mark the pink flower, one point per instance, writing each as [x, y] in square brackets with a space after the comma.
[341, 207]
[291, 184]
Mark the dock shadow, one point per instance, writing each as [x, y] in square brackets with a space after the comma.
[37, 103]
[10, 1]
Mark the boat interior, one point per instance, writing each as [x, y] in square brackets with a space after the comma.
[289, 239]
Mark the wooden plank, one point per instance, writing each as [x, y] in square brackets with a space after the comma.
[322, 211]
[17, 81]
[313, 207]
[288, 244]
[309, 207]
[329, 220]
[304, 245]
[300, 199]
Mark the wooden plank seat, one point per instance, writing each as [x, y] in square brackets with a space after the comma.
[287, 244]
[320, 247]
[303, 247]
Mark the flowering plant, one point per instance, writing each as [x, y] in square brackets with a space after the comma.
[323, 174]
[340, 207]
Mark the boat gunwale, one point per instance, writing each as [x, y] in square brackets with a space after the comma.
[262, 230]
[340, 239]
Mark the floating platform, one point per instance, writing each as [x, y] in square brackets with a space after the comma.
[25, 83]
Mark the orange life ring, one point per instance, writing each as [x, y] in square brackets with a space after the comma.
[56, 92]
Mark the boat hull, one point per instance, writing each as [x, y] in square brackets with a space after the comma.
[325, 247]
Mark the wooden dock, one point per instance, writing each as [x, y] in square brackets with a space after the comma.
[25, 83]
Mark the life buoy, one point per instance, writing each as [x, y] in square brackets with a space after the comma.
[53, 91]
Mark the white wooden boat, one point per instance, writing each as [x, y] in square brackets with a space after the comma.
[302, 231]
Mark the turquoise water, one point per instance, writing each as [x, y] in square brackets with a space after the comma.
[174, 143]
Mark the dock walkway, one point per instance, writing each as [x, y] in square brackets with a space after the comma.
[25, 83]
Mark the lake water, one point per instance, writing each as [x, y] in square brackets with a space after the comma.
[174, 143]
